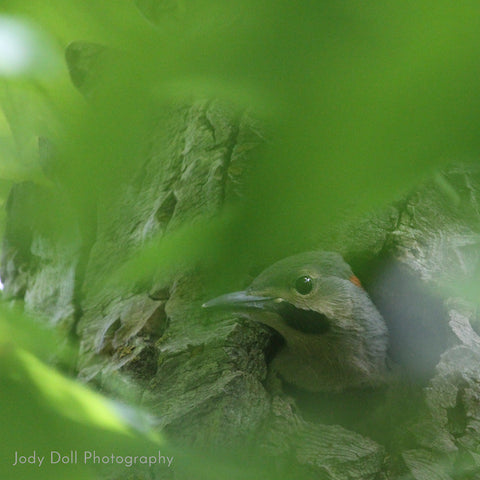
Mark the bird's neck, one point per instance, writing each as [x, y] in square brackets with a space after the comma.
[334, 364]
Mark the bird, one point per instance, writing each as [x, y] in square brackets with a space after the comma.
[335, 339]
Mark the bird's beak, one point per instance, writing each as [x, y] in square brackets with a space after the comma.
[242, 300]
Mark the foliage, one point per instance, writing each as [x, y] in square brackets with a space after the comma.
[362, 100]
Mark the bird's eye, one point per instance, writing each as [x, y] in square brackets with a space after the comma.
[304, 284]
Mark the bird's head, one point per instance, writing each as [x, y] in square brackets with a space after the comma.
[334, 336]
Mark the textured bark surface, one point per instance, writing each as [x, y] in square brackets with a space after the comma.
[428, 246]
[204, 377]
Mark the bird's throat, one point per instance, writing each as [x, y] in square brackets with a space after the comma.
[305, 321]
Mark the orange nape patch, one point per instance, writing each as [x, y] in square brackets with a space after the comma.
[356, 281]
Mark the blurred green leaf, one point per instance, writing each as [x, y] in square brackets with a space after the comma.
[43, 411]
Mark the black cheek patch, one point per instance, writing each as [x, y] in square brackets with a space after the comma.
[306, 321]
